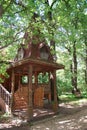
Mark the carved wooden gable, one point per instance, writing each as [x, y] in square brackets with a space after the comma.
[36, 51]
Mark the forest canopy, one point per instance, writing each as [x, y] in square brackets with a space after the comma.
[61, 23]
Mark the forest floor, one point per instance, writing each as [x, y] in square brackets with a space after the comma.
[71, 116]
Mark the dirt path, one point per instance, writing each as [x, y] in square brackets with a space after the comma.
[71, 116]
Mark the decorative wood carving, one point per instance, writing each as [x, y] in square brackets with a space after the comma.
[39, 51]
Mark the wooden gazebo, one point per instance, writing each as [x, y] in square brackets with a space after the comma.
[26, 91]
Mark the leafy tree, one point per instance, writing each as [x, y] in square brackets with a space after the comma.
[60, 23]
[70, 33]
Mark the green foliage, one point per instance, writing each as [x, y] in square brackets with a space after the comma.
[43, 78]
[68, 97]
[63, 83]
[3, 73]
[61, 21]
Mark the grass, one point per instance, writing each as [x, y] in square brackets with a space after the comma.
[69, 97]
[4, 117]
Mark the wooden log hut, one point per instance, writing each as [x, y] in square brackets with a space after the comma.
[23, 84]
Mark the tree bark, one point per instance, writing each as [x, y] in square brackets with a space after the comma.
[74, 66]
[49, 15]
[86, 64]
[75, 90]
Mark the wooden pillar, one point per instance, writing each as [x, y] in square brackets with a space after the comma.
[30, 101]
[49, 87]
[12, 90]
[55, 103]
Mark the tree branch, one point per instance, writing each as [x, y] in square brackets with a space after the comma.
[2, 10]
[53, 3]
[5, 62]
[11, 43]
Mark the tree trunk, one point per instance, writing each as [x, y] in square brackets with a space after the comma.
[49, 17]
[52, 44]
[72, 80]
[74, 66]
[86, 65]
[75, 90]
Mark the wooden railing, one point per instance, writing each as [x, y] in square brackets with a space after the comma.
[5, 95]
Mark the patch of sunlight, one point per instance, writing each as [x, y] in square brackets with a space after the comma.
[63, 96]
[83, 119]
[66, 105]
[80, 102]
[85, 116]
[38, 127]
[62, 127]
[47, 128]
[69, 106]
[74, 128]
[42, 111]
[83, 101]
[70, 124]
[35, 114]
[65, 121]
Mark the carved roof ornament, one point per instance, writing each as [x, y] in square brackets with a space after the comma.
[44, 54]
[39, 51]
[20, 54]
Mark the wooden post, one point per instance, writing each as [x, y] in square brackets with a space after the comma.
[55, 104]
[30, 102]
[50, 87]
[12, 90]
